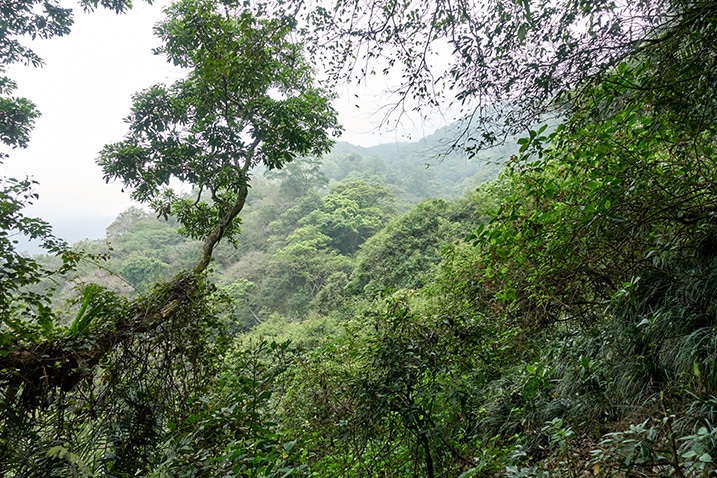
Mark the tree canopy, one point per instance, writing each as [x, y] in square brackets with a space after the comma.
[573, 333]
[512, 62]
[248, 99]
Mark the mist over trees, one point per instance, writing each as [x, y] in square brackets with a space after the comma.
[543, 308]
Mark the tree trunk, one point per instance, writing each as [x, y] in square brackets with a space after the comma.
[423, 439]
[218, 232]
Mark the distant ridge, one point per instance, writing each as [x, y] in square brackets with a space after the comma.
[417, 170]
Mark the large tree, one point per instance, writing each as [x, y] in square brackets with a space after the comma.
[248, 99]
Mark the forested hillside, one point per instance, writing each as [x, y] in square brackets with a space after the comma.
[302, 229]
[311, 308]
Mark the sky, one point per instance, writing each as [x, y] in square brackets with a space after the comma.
[84, 91]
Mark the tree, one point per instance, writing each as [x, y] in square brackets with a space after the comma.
[350, 213]
[298, 271]
[125, 221]
[402, 254]
[603, 203]
[299, 179]
[142, 271]
[232, 431]
[247, 99]
[25, 315]
[506, 63]
[397, 390]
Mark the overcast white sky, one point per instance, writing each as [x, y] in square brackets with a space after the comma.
[84, 91]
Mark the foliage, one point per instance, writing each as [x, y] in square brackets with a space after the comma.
[17, 116]
[511, 62]
[106, 401]
[241, 294]
[670, 331]
[298, 179]
[417, 170]
[248, 99]
[25, 315]
[298, 272]
[142, 271]
[652, 446]
[397, 390]
[350, 213]
[314, 242]
[230, 430]
[605, 198]
[579, 315]
[402, 254]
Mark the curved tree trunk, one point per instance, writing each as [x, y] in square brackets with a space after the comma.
[218, 232]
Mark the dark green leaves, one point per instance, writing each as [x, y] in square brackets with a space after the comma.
[612, 189]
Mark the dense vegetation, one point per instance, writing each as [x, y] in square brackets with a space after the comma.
[349, 316]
